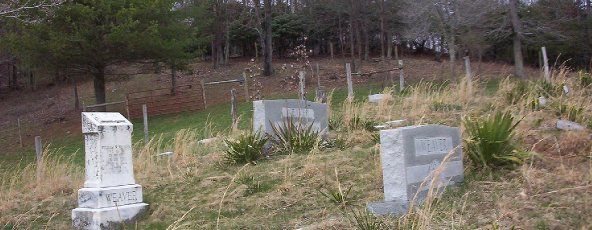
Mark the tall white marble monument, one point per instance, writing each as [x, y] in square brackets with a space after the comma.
[110, 196]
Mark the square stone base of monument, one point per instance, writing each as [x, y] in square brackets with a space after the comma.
[107, 218]
[394, 208]
[110, 196]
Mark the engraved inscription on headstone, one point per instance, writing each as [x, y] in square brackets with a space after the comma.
[411, 157]
[110, 195]
[432, 146]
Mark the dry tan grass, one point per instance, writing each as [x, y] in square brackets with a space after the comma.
[195, 188]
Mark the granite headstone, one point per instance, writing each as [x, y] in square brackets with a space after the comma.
[410, 155]
[269, 113]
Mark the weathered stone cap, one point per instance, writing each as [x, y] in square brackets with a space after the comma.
[95, 121]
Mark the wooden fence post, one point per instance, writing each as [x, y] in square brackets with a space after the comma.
[246, 85]
[20, 133]
[203, 90]
[350, 87]
[469, 75]
[145, 112]
[318, 77]
[401, 77]
[76, 98]
[38, 157]
[547, 72]
[302, 94]
[127, 109]
[233, 108]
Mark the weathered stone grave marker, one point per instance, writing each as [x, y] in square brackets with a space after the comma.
[569, 125]
[269, 113]
[410, 156]
[377, 98]
[110, 195]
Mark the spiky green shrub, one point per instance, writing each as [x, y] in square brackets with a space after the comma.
[585, 79]
[441, 106]
[336, 196]
[517, 93]
[490, 141]
[547, 89]
[365, 220]
[335, 122]
[291, 136]
[375, 137]
[247, 148]
[337, 143]
[359, 123]
[570, 112]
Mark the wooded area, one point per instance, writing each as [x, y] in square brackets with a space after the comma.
[71, 39]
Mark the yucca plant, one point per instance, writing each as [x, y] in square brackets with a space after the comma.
[336, 143]
[570, 112]
[519, 90]
[294, 137]
[585, 79]
[547, 89]
[336, 196]
[335, 122]
[364, 220]
[247, 148]
[490, 141]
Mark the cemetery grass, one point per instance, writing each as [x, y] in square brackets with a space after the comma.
[195, 189]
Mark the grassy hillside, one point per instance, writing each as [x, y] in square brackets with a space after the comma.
[197, 188]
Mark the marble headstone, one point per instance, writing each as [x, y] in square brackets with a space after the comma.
[569, 126]
[110, 195]
[376, 98]
[269, 113]
[409, 156]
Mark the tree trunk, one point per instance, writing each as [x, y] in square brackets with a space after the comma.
[452, 52]
[517, 28]
[256, 51]
[100, 90]
[389, 45]
[173, 79]
[341, 38]
[226, 38]
[267, 71]
[13, 84]
[76, 97]
[352, 49]
[331, 50]
[480, 56]
[31, 80]
[366, 43]
[382, 33]
[438, 49]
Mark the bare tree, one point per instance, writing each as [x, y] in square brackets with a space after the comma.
[445, 20]
[517, 38]
[18, 9]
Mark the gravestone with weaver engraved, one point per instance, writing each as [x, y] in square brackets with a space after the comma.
[270, 113]
[110, 196]
[413, 155]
